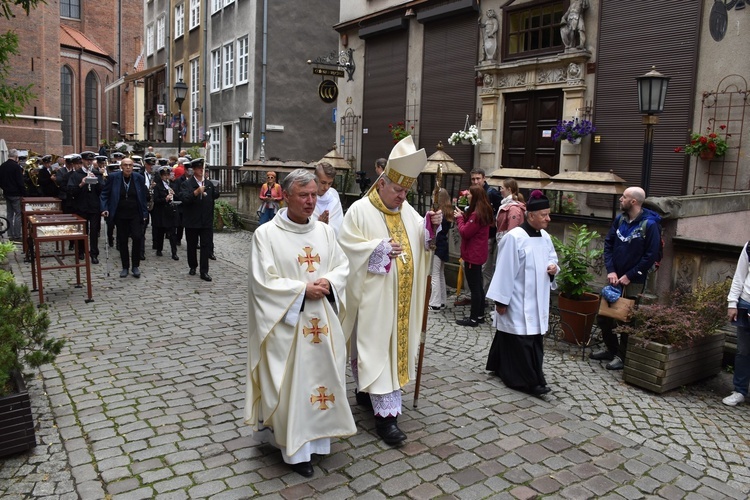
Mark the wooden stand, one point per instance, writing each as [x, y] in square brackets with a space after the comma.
[58, 228]
[36, 206]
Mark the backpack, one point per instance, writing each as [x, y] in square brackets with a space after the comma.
[649, 215]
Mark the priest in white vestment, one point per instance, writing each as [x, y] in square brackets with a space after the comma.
[296, 379]
[387, 243]
[524, 275]
[328, 208]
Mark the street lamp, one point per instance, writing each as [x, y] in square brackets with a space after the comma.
[245, 122]
[180, 91]
[652, 91]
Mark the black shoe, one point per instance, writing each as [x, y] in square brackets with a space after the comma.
[81, 256]
[71, 246]
[158, 253]
[467, 322]
[94, 260]
[179, 243]
[143, 256]
[437, 308]
[192, 271]
[206, 277]
[175, 257]
[388, 430]
[539, 390]
[603, 355]
[212, 256]
[304, 469]
[124, 273]
[615, 364]
[136, 272]
[111, 242]
[363, 398]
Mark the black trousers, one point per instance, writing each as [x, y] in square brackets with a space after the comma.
[129, 228]
[206, 237]
[474, 279]
[169, 232]
[94, 223]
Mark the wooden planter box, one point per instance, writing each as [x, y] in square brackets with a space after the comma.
[659, 367]
[16, 421]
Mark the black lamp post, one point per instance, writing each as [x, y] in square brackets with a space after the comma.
[652, 91]
[180, 91]
[245, 122]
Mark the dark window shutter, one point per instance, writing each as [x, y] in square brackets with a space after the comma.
[384, 100]
[448, 92]
[634, 36]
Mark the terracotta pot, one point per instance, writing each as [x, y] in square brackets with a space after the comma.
[577, 317]
[707, 155]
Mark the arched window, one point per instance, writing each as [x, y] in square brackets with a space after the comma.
[66, 105]
[92, 110]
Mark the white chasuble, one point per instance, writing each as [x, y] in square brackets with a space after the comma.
[521, 281]
[296, 382]
[330, 201]
[373, 299]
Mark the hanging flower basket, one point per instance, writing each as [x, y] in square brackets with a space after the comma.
[468, 136]
[707, 155]
[572, 131]
[706, 146]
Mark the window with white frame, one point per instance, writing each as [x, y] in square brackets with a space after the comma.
[243, 58]
[195, 13]
[228, 64]
[216, 6]
[149, 39]
[215, 70]
[179, 20]
[195, 80]
[161, 25]
[240, 142]
[214, 146]
[227, 2]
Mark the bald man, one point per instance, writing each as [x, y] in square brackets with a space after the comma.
[630, 251]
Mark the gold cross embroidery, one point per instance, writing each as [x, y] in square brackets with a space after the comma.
[308, 259]
[322, 398]
[316, 331]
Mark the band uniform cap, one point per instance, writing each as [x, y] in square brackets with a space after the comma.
[88, 155]
[137, 158]
[197, 163]
[118, 154]
[149, 155]
[163, 161]
[405, 163]
[22, 153]
[150, 160]
[165, 170]
[46, 158]
[101, 158]
[183, 160]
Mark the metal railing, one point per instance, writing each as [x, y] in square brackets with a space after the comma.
[228, 176]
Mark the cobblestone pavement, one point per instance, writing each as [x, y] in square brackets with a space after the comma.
[146, 402]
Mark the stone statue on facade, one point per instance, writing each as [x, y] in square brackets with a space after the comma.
[573, 28]
[489, 35]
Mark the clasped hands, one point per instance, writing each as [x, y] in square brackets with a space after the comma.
[317, 289]
[435, 217]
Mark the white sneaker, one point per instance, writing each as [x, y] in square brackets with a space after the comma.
[733, 399]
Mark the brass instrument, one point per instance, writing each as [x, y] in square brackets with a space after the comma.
[31, 169]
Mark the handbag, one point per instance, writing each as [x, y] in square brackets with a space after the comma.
[621, 310]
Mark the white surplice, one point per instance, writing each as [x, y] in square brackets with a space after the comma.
[296, 382]
[330, 201]
[522, 283]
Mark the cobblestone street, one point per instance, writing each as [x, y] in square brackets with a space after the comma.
[146, 402]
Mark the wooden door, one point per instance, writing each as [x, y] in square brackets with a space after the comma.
[527, 116]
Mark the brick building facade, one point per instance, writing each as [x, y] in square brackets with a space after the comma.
[72, 51]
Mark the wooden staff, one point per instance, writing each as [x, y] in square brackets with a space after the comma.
[428, 292]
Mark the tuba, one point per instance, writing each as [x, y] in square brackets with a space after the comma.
[31, 169]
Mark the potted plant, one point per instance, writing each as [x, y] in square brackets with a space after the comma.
[572, 131]
[707, 145]
[466, 136]
[576, 302]
[225, 215]
[23, 343]
[399, 131]
[678, 342]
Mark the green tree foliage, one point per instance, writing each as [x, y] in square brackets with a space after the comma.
[13, 97]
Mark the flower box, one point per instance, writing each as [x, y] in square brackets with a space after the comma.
[16, 420]
[659, 367]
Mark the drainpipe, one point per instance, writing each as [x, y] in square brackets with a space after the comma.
[264, 64]
[204, 93]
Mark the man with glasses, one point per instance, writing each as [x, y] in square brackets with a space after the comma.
[270, 196]
[124, 199]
